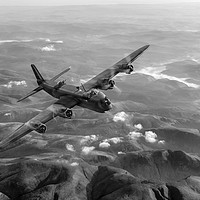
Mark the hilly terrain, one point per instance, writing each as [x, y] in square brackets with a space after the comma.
[146, 147]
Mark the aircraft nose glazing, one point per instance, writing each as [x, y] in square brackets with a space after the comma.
[107, 103]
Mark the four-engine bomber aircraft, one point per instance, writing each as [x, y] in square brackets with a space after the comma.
[88, 95]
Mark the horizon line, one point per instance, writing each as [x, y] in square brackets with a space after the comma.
[99, 4]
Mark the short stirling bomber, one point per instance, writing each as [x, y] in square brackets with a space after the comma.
[88, 95]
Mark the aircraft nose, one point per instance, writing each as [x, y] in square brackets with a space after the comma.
[107, 103]
[110, 107]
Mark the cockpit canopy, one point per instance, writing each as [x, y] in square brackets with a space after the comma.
[92, 93]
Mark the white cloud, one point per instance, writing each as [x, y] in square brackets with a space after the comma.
[17, 83]
[87, 150]
[11, 41]
[120, 152]
[115, 140]
[134, 135]
[58, 42]
[8, 114]
[121, 116]
[48, 48]
[70, 147]
[50, 41]
[88, 139]
[104, 144]
[138, 126]
[150, 137]
[156, 72]
[161, 142]
[74, 164]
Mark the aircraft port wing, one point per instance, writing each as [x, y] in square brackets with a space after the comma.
[37, 123]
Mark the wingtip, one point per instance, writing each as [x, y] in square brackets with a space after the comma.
[147, 46]
[19, 100]
[144, 48]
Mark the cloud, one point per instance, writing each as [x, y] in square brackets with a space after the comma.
[88, 139]
[134, 135]
[104, 144]
[58, 42]
[161, 142]
[48, 48]
[115, 140]
[8, 114]
[156, 72]
[87, 150]
[51, 41]
[69, 147]
[138, 126]
[150, 137]
[15, 83]
[74, 164]
[121, 116]
[11, 41]
[120, 152]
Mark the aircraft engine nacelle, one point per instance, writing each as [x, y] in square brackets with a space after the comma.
[111, 84]
[38, 126]
[130, 69]
[127, 68]
[66, 113]
[108, 85]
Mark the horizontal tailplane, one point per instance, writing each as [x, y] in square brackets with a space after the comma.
[31, 93]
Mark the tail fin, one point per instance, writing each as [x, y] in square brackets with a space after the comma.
[40, 80]
[37, 74]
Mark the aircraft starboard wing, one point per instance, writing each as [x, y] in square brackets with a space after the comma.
[109, 73]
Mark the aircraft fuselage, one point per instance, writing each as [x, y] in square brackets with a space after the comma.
[98, 102]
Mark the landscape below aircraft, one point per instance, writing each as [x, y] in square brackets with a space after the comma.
[88, 95]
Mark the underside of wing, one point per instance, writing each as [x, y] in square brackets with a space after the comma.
[103, 80]
[38, 123]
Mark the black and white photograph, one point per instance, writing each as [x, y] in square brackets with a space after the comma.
[99, 100]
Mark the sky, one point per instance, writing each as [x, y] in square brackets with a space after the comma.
[84, 2]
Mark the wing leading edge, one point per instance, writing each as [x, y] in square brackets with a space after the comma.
[118, 67]
[39, 120]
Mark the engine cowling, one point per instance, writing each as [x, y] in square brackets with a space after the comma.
[112, 84]
[38, 126]
[107, 85]
[130, 69]
[127, 68]
[67, 113]
[42, 129]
